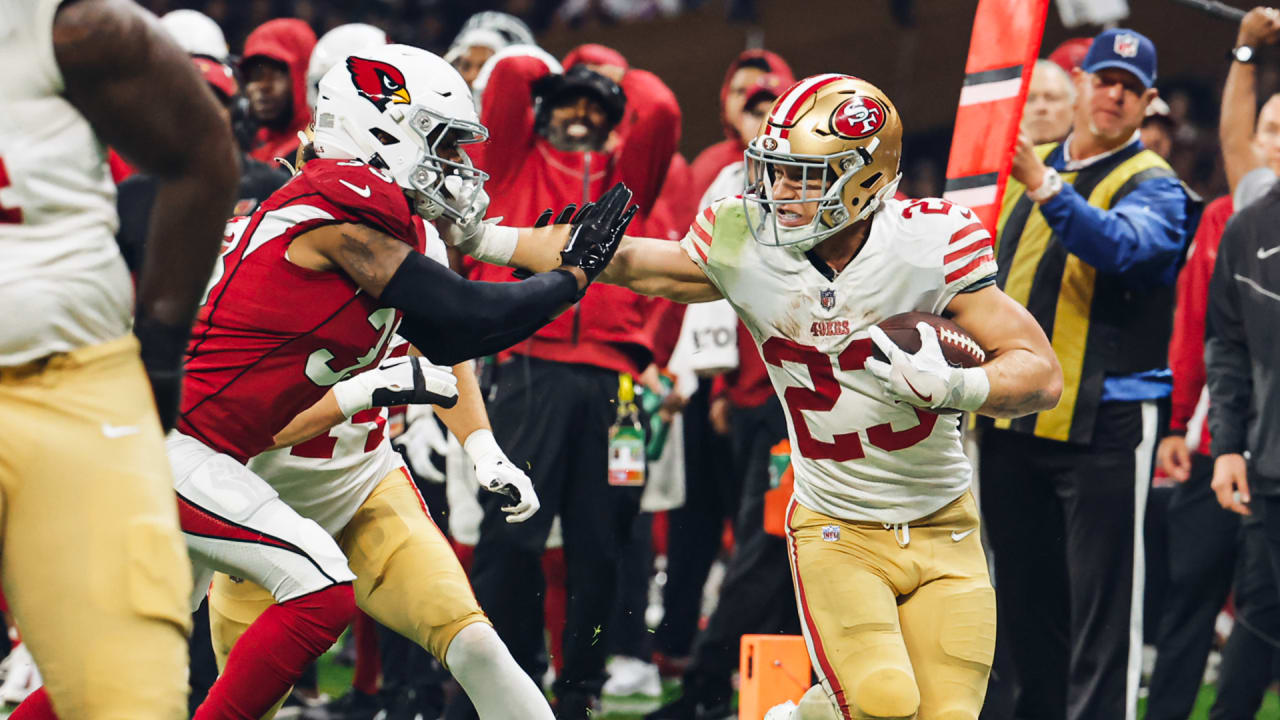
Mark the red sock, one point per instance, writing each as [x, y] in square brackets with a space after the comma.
[368, 664]
[274, 651]
[35, 707]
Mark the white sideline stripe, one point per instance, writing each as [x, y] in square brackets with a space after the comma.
[990, 92]
[1142, 457]
[972, 197]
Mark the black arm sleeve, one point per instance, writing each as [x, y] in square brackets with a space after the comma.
[1226, 350]
[451, 319]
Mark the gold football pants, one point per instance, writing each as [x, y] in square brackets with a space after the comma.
[94, 565]
[407, 575]
[899, 621]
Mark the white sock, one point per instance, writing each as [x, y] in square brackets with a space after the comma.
[497, 686]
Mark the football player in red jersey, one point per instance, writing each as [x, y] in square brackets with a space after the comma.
[308, 291]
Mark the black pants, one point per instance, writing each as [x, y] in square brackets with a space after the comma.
[1250, 657]
[1064, 523]
[712, 489]
[756, 596]
[553, 419]
[1202, 541]
[628, 633]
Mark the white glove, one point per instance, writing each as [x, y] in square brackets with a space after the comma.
[785, 711]
[422, 437]
[398, 381]
[495, 473]
[926, 379]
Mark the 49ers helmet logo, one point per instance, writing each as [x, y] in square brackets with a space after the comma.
[378, 82]
[858, 117]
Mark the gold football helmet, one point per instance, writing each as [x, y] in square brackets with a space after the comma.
[836, 129]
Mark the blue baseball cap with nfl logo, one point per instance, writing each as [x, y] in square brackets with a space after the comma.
[1125, 50]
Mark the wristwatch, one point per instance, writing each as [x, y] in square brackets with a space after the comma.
[1243, 54]
[1050, 186]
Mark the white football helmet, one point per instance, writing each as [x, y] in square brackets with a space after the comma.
[334, 46]
[196, 33]
[408, 112]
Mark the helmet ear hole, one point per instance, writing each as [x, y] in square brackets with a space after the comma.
[866, 184]
[383, 136]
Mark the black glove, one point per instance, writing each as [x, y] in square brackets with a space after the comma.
[163, 347]
[597, 231]
[566, 215]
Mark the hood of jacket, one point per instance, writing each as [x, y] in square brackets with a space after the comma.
[777, 66]
[289, 41]
[595, 54]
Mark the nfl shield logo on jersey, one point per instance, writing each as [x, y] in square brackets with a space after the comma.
[1126, 45]
[828, 299]
[831, 533]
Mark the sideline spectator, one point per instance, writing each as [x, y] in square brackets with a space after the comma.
[274, 68]
[1051, 104]
[1091, 246]
[1251, 154]
[743, 73]
[1159, 129]
[1202, 538]
[554, 397]
[483, 35]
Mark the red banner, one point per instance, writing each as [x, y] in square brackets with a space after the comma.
[1002, 51]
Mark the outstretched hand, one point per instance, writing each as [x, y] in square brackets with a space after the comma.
[598, 229]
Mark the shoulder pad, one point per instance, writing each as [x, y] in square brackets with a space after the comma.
[368, 194]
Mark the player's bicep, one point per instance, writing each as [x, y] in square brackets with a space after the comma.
[998, 323]
[369, 257]
[138, 89]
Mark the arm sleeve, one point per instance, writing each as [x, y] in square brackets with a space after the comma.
[451, 319]
[1186, 345]
[1144, 233]
[1226, 353]
[652, 135]
[508, 114]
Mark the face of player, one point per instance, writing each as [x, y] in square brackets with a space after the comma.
[578, 124]
[790, 184]
[1050, 106]
[741, 81]
[468, 64]
[1112, 103]
[1156, 138]
[1266, 141]
[753, 117]
[270, 91]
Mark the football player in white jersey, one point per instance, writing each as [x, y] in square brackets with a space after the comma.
[888, 567]
[94, 567]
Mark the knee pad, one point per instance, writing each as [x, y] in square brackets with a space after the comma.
[884, 694]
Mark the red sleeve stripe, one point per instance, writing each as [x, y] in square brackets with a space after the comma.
[701, 253]
[974, 265]
[710, 216]
[965, 232]
[697, 230]
[984, 242]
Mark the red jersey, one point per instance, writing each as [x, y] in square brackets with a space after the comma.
[272, 337]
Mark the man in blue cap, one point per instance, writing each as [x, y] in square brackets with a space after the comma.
[1090, 238]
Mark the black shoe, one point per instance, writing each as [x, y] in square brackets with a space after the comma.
[355, 705]
[575, 706]
[688, 707]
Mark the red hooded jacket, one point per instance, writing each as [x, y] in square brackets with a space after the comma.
[711, 161]
[528, 175]
[1186, 345]
[288, 41]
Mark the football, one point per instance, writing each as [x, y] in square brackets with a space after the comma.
[958, 346]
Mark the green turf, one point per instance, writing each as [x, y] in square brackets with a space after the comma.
[335, 680]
